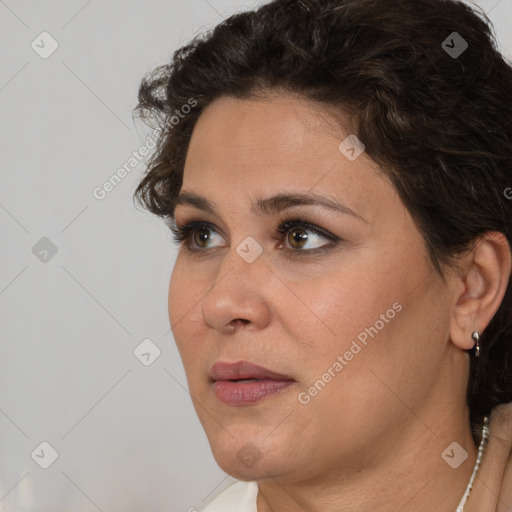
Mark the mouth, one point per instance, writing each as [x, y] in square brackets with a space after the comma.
[243, 383]
[246, 380]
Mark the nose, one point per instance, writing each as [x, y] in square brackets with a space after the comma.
[239, 297]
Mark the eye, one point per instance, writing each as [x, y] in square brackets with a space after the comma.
[298, 234]
[302, 236]
[196, 232]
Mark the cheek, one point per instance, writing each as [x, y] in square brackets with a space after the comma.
[343, 304]
[350, 342]
[185, 314]
[377, 320]
[357, 319]
[186, 289]
[176, 288]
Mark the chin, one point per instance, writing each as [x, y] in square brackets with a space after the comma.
[247, 469]
[245, 455]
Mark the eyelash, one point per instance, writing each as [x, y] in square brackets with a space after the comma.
[184, 233]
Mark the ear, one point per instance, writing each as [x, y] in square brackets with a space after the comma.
[483, 281]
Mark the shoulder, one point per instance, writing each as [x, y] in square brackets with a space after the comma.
[239, 497]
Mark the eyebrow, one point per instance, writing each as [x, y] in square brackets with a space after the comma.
[273, 204]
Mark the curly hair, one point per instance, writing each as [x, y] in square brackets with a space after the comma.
[438, 123]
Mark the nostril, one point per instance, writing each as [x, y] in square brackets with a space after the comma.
[240, 320]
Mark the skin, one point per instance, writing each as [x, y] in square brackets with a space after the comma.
[372, 439]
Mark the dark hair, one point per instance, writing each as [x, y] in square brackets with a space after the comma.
[438, 122]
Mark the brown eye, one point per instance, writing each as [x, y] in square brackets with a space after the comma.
[202, 236]
[302, 237]
[298, 235]
[297, 238]
[194, 236]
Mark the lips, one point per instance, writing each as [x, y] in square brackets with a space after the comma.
[243, 370]
[244, 384]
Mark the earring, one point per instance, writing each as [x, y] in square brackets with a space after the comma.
[476, 339]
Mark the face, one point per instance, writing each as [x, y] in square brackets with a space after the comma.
[342, 306]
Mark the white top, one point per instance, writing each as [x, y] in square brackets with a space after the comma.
[239, 497]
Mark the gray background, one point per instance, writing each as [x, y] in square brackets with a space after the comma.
[126, 434]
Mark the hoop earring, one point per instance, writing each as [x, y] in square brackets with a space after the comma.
[476, 339]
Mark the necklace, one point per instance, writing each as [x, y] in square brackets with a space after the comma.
[485, 436]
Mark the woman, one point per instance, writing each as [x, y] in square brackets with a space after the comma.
[337, 174]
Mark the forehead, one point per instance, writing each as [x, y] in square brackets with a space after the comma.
[265, 128]
[253, 147]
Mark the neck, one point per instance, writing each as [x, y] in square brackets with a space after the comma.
[411, 475]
